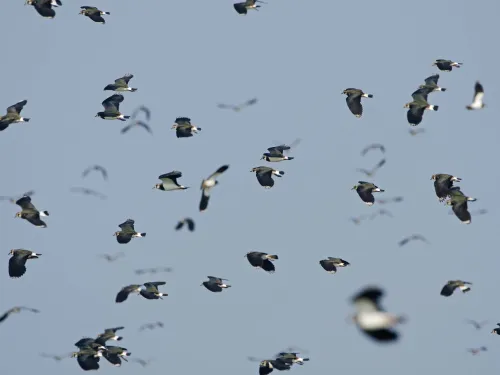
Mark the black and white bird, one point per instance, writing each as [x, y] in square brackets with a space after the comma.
[15, 310]
[187, 221]
[215, 284]
[277, 153]
[477, 102]
[372, 319]
[184, 128]
[109, 334]
[496, 330]
[13, 115]
[112, 108]
[150, 290]
[418, 106]
[115, 354]
[94, 14]
[262, 260]
[169, 182]
[121, 84]
[353, 100]
[451, 285]
[208, 184]
[443, 183]
[30, 213]
[459, 204]
[44, 7]
[330, 264]
[365, 191]
[17, 262]
[264, 175]
[446, 65]
[127, 232]
[242, 8]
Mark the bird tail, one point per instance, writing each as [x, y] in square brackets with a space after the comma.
[442, 89]
[133, 89]
[44, 213]
[119, 338]
[465, 288]
[289, 158]
[142, 234]
[126, 117]
[470, 199]
[433, 107]
[272, 257]
[26, 119]
[367, 95]
[107, 13]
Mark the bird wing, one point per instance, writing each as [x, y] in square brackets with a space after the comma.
[218, 172]
[367, 300]
[144, 109]
[354, 103]
[127, 225]
[420, 94]
[432, 79]
[478, 94]
[112, 103]
[170, 176]
[448, 289]
[372, 147]
[17, 108]
[25, 203]
[183, 121]
[190, 223]
[154, 284]
[265, 178]
[379, 164]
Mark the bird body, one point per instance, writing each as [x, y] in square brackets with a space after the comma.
[330, 264]
[353, 100]
[184, 128]
[169, 182]
[446, 65]
[215, 284]
[127, 232]
[262, 260]
[451, 285]
[264, 175]
[150, 290]
[243, 7]
[443, 184]
[276, 153]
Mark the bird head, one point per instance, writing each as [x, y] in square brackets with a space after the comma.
[407, 105]
[157, 186]
[343, 92]
[434, 63]
[433, 177]
[493, 331]
[263, 157]
[174, 126]
[254, 170]
[82, 11]
[11, 252]
[116, 233]
[18, 214]
[354, 187]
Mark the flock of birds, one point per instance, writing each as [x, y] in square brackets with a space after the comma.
[370, 316]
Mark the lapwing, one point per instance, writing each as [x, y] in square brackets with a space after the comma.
[150, 290]
[238, 107]
[112, 108]
[44, 7]
[475, 324]
[208, 184]
[30, 213]
[443, 183]
[98, 168]
[126, 290]
[88, 342]
[262, 260]
[264, 175]
[330, 264]
[451, 285]
[418, 106]
[15, 310]
[373, 146]
[242, 8]
[365, 191]
[291, 358]
[127, 232]
[95, 15]
[496, 330]
[458, 202]
[372, 319]
[215, 284]
[477, 102]
[431, 83]
[446, 65]
[17, 263]
[353, 100]
[109, 334]
[121, 84]
[413, 237]
[276, 153]
[169, 182]
[184, 128]
[13, 115]
[371, 172]
[115, 354]
[88, 359]
[186, 221]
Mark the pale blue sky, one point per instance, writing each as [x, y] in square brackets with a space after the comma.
[296, 57]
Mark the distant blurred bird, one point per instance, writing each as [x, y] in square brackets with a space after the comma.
[16, 310]
[475, 324]
[121, 84]
[208, 184]
[111, 258]
[390, 200]
[451, 285]
[371, 172]
[97, 168]
[143, 109]
[186, 221]
[353, 100]
[262, 260]
[374, 146]
[88, 191]
[475, 351]
[153, 270]
[142, 362]
[13, 199]
[151, 326]
[477, 102]
[238, 107]
[371, 318]
[44, 7]
[357, 220]
[416, 131]
[215, 284]
[94, 14]
[446, 65]
[413, 237]
[242, 8]
[136, 123]
[56, 357]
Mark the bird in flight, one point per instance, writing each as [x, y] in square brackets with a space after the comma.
[16, 310]
[111, 257]
[413, 237]
[87, 191]
[97, 168]
[374, 146]
[477, 102]
[371, 172]
[475, 351]
[136, 123]
[238, 107]
[477, 325]
[143, 109]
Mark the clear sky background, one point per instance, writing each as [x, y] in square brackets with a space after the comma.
[296, 57]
